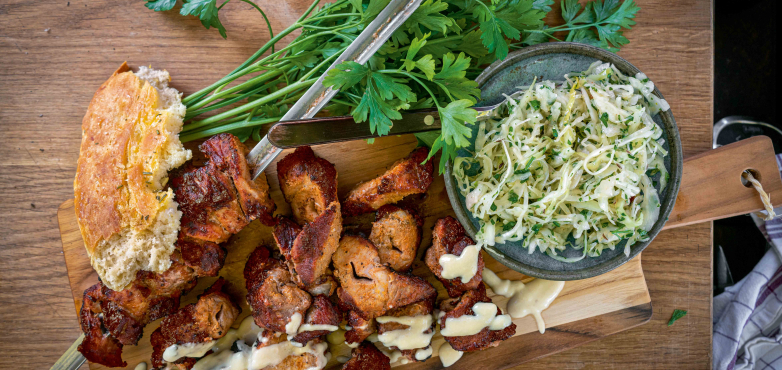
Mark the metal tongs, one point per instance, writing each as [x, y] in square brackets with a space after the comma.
[359, 51]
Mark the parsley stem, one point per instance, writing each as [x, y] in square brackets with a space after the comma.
[266, 99]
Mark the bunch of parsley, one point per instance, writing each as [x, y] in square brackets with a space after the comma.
[431, 61]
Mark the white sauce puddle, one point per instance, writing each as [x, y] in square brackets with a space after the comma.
[485, 316]
[250, 358]
[411, 338]
[423, 353]
[317, 327]
[141, 366]
[525, 299]
[176, 351]
[292, 327]
[276, 353]
[464, 266]
[448, 355]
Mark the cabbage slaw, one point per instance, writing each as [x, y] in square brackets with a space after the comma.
[568, 164]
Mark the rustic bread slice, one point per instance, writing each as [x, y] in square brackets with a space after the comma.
[127, 216]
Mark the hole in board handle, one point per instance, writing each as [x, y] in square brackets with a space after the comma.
[755, 173]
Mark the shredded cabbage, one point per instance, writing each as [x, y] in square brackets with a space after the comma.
[566, 164]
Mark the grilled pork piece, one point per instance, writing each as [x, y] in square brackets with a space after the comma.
[220, 198]
[216, 200]
[449, 237]
[396, 233]
[486, 338]
[204, 321]
[309, 249]
[369, 287]
[406, 177]
[308, 182]
[271, 292]
[360, 328]
[367, 357]
[125, 313]
[321, 312]
[425, 307]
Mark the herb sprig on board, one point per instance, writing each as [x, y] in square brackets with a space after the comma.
[431, 61]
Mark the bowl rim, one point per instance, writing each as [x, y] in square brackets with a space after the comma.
[667, 204]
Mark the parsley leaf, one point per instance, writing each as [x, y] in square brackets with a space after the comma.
[604, 119]
[160, 5]
[206, 11]
[494, 31]
[452, 77]
[453, 118]
[429, 16]
[677, 314]
[425, 63]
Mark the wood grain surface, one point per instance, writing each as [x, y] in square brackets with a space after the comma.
[623, 289]
[55, 53]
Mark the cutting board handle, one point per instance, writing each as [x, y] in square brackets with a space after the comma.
[711, 186]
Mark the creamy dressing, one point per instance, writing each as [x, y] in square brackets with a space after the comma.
[448, 355]
[176, 351]
[373, 338]
[141, 366]
[525, 299]
[251, 358]
[410, 338]
[292, 327]
[464, 266]
[317, 327]
[394, 355]
[485, 316]
[248, 331]
[276, 353]
[423, 353]
[336, 337]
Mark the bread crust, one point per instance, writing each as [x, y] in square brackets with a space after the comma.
[128, 142]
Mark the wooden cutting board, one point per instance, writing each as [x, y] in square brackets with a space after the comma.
[586, 310]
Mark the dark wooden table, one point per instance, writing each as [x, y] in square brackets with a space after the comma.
[54, 55]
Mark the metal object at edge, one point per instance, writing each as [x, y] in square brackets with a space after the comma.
[326, 130]
[360, 50]
[71, 359]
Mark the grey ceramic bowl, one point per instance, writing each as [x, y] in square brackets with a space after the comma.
[551, 61]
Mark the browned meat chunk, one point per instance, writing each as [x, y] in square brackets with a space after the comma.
[321, 312]
[396, 233]
[360, 328]
[271, 292]
[369, 287]
[227, 154]
[308, 182]
[205, 258]
[449, 237]
[457, 307]
[123, 314]
[219, 199]
[406, 177]
[206, 320]
[367, 357]
[312, 246]
[98, 346]
[425, 307]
